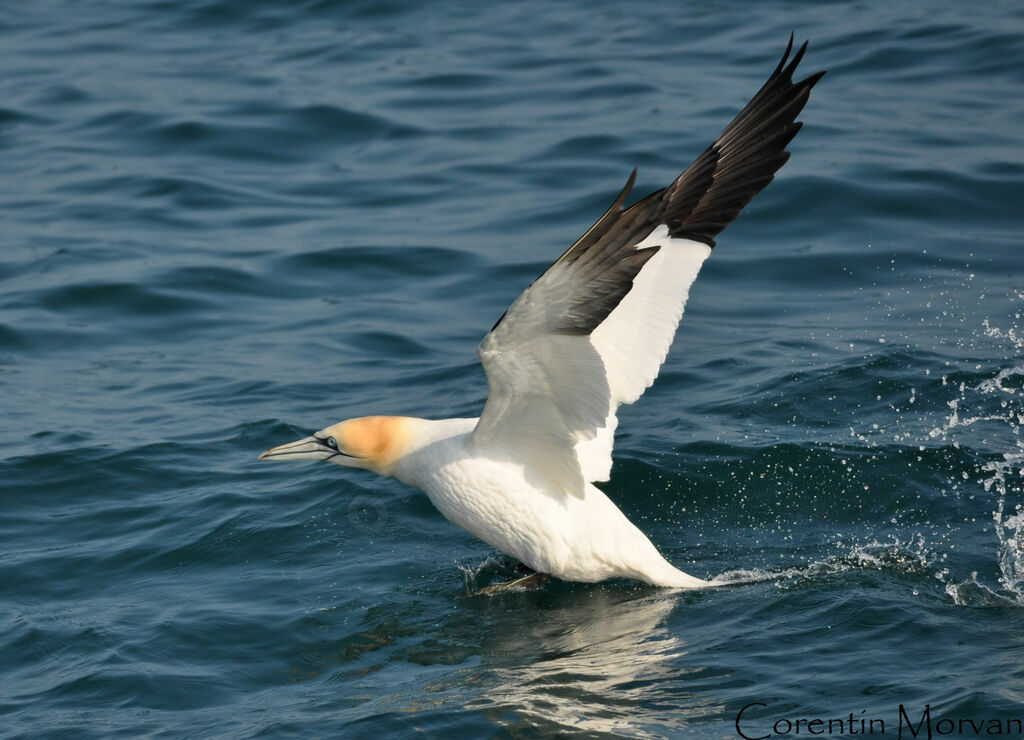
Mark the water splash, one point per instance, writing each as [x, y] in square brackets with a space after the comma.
[969, 426]
[910, 556]
[1005, 478]
[994, 406]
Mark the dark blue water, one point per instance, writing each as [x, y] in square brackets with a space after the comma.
[227, 224]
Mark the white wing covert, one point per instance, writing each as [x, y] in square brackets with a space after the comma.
[592, 332]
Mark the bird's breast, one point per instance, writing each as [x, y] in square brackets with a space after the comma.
[512, 508]
[494, 500]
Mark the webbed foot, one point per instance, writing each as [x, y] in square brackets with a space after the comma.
[533, 579]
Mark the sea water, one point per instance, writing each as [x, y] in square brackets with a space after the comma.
[227, 224]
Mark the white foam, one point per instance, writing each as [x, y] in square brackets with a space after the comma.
[999, 401]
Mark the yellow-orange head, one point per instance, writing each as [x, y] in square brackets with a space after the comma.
[371, 442]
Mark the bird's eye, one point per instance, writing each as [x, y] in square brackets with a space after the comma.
[331, 442]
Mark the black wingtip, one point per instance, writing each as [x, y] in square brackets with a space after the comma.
[627, 188]
[811, 80]
[796, 61]
[785, 55]
[743, 159]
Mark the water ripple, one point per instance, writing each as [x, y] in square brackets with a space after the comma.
[227, 225]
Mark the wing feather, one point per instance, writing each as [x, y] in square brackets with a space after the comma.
[592, 332]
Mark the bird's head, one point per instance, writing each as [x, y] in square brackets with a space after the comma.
[370, 442]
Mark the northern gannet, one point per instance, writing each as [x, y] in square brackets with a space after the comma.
[589, 334]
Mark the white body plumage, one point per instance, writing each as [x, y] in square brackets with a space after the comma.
[575, 538]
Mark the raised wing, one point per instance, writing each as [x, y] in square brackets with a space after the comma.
[592, 332]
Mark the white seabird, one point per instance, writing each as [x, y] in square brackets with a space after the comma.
[589, 334]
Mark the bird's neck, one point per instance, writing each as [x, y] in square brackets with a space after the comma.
[428, 444]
